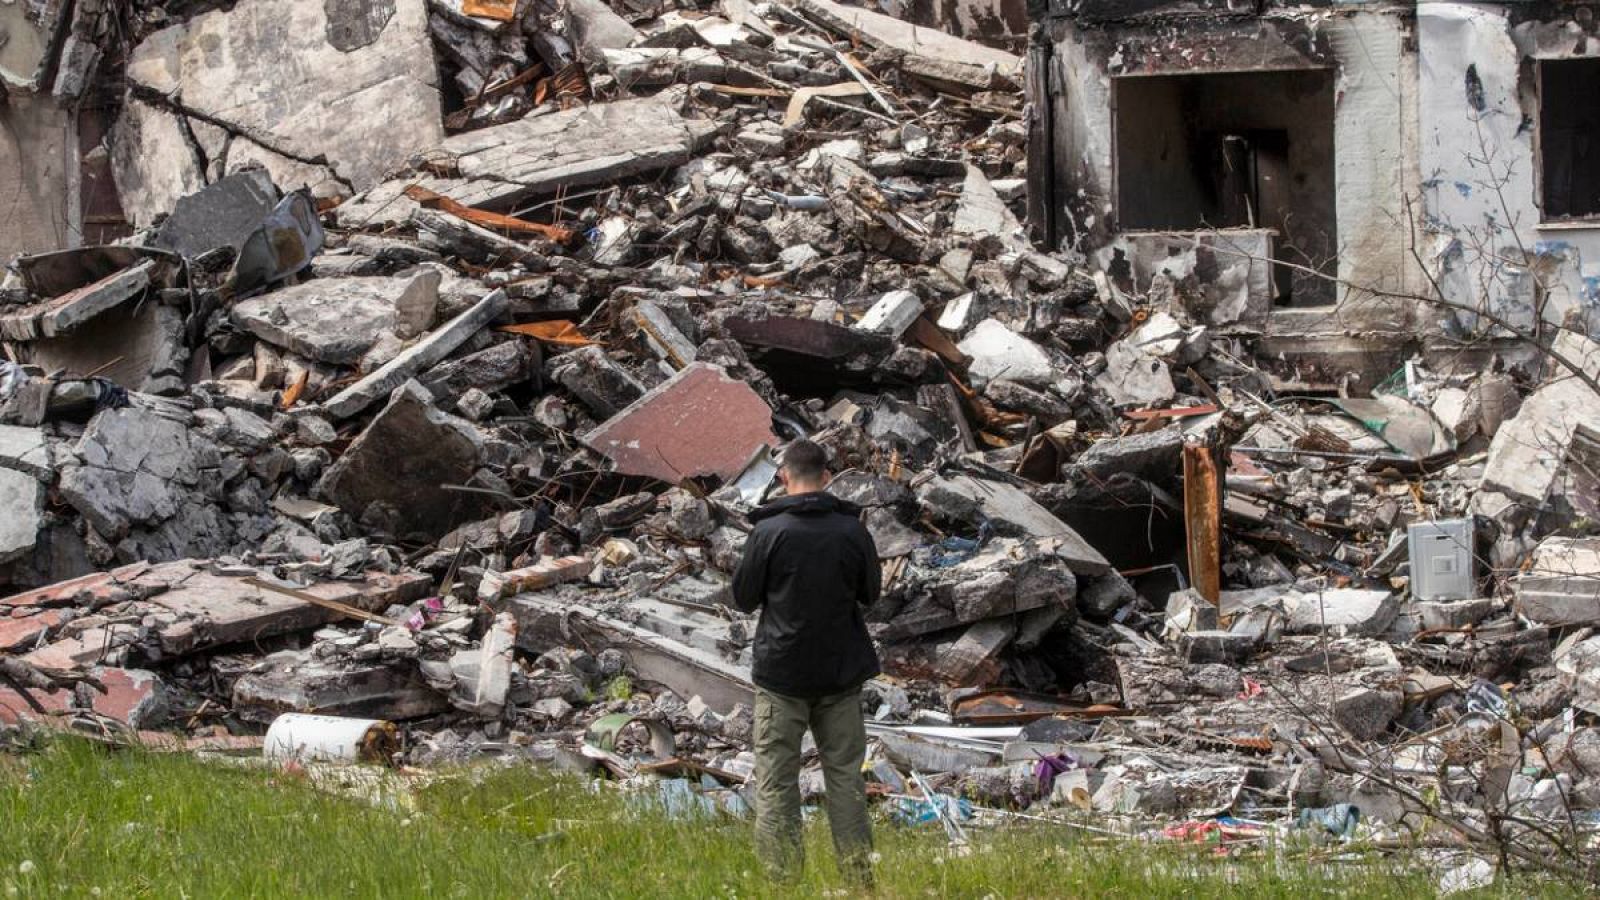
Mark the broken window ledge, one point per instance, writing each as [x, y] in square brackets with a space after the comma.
[1586, 224]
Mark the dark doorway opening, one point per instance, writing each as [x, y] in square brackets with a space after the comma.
[1234, 150]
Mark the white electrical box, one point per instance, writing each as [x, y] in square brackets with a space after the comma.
[1441, 560]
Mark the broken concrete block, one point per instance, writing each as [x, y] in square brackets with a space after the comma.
[1365, 714]
[1349, 611]
[970, 659]
[929, 52]
[981, 212]
[483, 675]
[593, 27]
[492, 369]
[892, 314]
[338, 320]
[22, 499]
[1528, 450]
[1135, 378]
[543, 574]
[1562, 583]
[999, 352]
[1010, 511]
[1154, 456]
[295, 681]
[605, 387]
[1188, 611]
[25, 449]
[1216, 646]
[134, 697]
[221, 214]
[1453, 615]
[294, 78]
[701, 421]
[538, 155]
[664, 336]
[135, 467]
[65, 313]
[427, 351]
[406, 459]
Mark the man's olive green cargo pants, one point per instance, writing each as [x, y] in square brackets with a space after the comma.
[841, 737]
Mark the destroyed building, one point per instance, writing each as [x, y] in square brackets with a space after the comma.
[1222, 420]
[1371, 152]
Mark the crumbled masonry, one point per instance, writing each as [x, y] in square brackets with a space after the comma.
[441, 358]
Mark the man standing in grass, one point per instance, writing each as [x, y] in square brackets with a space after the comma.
[811, 568]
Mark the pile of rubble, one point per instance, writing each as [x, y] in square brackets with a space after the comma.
[461, 433]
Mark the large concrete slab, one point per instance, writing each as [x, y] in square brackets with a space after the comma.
[338, 320]
[295, 81]
[37, 171]
[539, 154]
[407, 459]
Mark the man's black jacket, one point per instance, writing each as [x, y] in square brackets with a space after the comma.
[811, 568]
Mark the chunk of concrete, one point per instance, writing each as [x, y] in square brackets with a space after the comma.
[981, 213]
[701, 421]
[971, 659]
[1344, 611]
[929, 52]
[1366, 714]
[1010, 511]
[1153, 456]
[892, 314]
[1188, 611]
[339, 320]
[221, 214]
[1562, 583]
[25, 449]
[63, 314]
[999, 352]
[483, 674]
[426, 352]
[134, 697]
[134, 467]
[1134, 377]
[32, 30]
[1453, 615]
[22, 498]
[1528, 450]
[492, 369]
[406, 459]
[295, 681]
[1216, 646]
[603, 386]
[296, 80]
[538, 155]
[593, 28]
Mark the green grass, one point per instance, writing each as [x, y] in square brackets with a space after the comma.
[83, 821]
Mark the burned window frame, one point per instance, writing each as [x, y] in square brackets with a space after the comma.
[1542, 143]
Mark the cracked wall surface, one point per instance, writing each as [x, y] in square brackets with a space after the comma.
[284, 84]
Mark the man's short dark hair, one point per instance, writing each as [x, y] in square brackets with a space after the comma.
[805, 460]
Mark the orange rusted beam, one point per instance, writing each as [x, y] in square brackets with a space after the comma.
[1202, 520]
[484, 218]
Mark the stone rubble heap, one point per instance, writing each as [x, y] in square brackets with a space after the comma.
[460, 430]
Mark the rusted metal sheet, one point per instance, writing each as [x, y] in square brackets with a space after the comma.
[483, 218]
[498, 10]
[701, 421]
[1002, 707]
[1202, 516]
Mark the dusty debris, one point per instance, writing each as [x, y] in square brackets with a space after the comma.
[441, 412]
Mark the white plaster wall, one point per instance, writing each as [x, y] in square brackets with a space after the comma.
[1375, 128]
[1479, 171]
